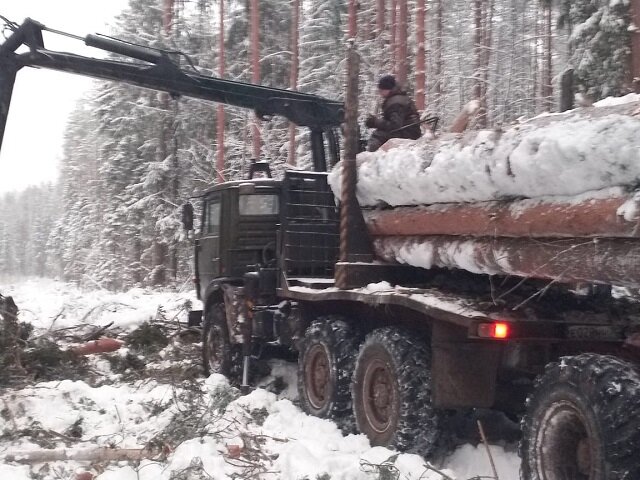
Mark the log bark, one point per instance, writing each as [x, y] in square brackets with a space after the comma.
[598, 261]
[525, 218]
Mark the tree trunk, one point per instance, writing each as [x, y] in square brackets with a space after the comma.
[402, 40]
[255, 69]
[635, 44]
[352, 21]
[167, 16]
[160, 258]
[439, 56]
[220, 117]
[380, 16]
[479, 60]
[546, 89]
[293, 78]
[535, 74]
[487, 36]
[420, 93]
[394, 36]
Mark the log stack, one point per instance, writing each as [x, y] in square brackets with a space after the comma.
[571, 234]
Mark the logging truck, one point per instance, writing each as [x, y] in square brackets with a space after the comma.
[388, 348]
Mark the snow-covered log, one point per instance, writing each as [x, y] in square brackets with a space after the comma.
[604, 261]
[564, 154]
[555, 197]
[609, 213]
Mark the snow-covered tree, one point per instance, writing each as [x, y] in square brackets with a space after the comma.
[600, 41]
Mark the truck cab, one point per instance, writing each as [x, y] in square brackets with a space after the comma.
[239, 231]
[283, 232]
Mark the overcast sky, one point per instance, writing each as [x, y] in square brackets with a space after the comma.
[42, 99]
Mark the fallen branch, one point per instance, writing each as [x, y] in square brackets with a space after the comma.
[100, 307]
[486, 445]
[95, 335]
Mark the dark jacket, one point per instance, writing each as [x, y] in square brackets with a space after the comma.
[398, 111]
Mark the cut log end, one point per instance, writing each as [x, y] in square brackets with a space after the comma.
[102, 345]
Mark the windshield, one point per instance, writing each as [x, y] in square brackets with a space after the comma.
[257, 204]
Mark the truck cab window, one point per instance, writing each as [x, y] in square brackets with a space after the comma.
[258, 205]
[212, 219]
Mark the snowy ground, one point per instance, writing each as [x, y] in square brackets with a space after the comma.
[190, 427]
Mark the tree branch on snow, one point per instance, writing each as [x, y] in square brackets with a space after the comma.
[93, 454]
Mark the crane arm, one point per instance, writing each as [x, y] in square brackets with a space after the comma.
[155, 69]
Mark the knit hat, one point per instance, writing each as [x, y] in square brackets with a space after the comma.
[387, 82]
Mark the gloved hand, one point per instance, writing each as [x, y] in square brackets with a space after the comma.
[370, 122]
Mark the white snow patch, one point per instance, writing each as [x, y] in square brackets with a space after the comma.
[379, 287]
[612, 101]
[469, 461]
[129, 415]
[630, 210]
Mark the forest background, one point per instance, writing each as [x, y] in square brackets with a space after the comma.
[132, 157]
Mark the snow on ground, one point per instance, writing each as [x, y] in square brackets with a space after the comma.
[52, 304]
[193, 429]
[570, 155]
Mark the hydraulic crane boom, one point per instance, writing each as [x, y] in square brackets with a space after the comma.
[155, 69]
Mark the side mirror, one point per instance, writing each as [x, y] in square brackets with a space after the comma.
[187, 216]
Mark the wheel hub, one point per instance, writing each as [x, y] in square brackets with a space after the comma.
[216, 345]
[318, 378]
[565, 445]
[379, 401]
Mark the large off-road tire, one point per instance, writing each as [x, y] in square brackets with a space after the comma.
[391, 389]
[219, 355]
[583, 421]
[325, 363]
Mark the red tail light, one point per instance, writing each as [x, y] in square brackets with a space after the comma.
[499, 330]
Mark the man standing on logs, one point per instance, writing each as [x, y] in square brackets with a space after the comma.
[399, 117]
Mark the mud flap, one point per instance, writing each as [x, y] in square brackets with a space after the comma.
[464, 371]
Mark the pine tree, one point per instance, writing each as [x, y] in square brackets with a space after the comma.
[600, 42]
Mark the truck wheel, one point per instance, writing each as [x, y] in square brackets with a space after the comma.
[219, 355]
[392, 391]
[325, 362]
[583, 421]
